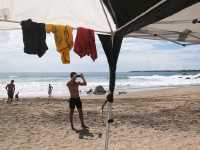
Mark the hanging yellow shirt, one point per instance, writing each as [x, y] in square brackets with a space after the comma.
[64, 40]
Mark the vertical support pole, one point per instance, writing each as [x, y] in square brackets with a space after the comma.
[110, 95]
[111, 45]
[109, 118]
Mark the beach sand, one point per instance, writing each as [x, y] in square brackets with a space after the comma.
[165, 119]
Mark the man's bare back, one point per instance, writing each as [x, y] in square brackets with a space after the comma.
[75, 100]
[10, 87]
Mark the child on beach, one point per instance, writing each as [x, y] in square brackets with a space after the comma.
[17, 96]
[75, 100]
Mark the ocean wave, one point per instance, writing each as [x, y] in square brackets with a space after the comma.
[12, 77]
[38, 86]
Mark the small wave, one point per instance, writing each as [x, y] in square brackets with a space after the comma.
[197, 76]
[165, 77]
[12, 76]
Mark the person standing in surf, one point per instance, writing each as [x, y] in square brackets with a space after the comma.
[75, 100]
[50, 89]
[10, 88]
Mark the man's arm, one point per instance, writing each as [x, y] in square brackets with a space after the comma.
[6, 87]
[84, 81]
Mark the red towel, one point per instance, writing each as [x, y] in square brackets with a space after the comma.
[85, 43]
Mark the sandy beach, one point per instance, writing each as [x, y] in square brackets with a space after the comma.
[165, 119]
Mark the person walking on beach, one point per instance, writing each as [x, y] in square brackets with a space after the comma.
[10, 88]
[75, 100]
[50, 89]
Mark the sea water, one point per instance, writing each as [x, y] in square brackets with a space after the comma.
[36, 84]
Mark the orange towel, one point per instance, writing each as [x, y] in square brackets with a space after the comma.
[64, 40]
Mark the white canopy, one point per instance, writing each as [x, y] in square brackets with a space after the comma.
[90, 14]
[85, 13]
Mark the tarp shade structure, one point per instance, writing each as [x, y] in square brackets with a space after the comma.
[175, 26]
[89, 13]
[136, 14]
[84, 13]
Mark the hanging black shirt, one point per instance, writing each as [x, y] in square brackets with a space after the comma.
[34, 37]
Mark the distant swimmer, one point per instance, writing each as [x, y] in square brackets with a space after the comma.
[75, 100]
[10, 91]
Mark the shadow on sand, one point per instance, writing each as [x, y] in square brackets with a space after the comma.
[86, 134]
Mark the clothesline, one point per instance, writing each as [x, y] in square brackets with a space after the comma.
[14, 21]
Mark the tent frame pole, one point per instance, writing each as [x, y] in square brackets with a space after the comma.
[113, 12]
[104, 10]
[141, 15]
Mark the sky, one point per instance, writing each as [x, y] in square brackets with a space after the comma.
[136, 54]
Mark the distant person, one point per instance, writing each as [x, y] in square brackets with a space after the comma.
[50, 89]
[10, 90]
[17, 96]
[75, 100]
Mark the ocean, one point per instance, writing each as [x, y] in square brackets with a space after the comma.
[36, 84]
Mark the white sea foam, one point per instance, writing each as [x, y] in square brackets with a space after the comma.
[38, 86]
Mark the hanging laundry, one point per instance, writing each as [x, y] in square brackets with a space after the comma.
[34, 37]
[63, 39]
[85, 43]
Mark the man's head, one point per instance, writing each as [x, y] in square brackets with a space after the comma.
[72, 74]
[12, 81]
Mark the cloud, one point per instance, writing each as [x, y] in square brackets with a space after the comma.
[136, 54]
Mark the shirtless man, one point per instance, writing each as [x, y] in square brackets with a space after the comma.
[10, 91]
[75, 100]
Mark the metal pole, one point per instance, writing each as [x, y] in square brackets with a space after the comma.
[108, 122]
